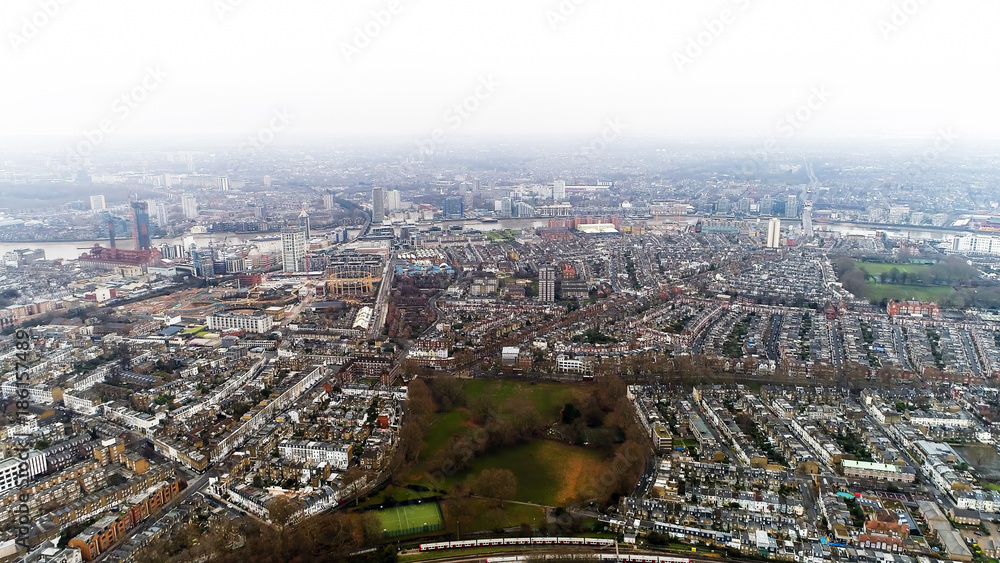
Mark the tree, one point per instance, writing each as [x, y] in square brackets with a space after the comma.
[500, 484]
[447, 393]
[483, 409]
[570, 413]
[371, 526]
[281, 511]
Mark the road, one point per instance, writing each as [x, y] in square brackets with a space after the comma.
[193, 487]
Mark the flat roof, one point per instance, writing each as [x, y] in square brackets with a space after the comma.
[870, 466]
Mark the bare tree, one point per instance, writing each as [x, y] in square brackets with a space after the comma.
[500, 484]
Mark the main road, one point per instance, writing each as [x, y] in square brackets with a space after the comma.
[193, 487]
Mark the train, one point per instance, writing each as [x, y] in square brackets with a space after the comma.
[629, 558]
[594, 542]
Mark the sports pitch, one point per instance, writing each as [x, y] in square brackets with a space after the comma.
[402, 520]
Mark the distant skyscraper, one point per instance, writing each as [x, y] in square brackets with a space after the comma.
[792, 207]
[224, 183]
[393, 201]
[140, 225]
[189, 205]
[267, 181]
[506, 207]
[328, 200]
[452, 207]
[468, 198]
[161, 215]
[558, 190]
[522, 209]
[807, 220]
[97, 203]
[774, 233]
[304, 223]
[378, 206]
[546, 284]
[293, 249]
[766, 205]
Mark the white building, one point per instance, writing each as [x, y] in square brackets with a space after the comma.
[558, 190]
[189, 205]
[293, 249]
[337, 455]
[774, 233]
[256, 321]
[571, 365]
[13, 474]
[363, 319]
[546, 284]
[393, 201]
[80, 405]
[128, 417]
[509, 354]
[97, 203]
[976, 245]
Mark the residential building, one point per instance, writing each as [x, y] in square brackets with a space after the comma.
[546, 284]
[293, 249]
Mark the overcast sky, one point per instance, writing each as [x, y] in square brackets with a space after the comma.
[523, 66]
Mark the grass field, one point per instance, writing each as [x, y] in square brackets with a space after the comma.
[876, 268]
[489, 517]
[404, 518]
[398, 494]
[545, 397]
[879, 291]
[548, 473]
[445, 426]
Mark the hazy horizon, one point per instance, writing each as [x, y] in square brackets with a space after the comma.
[730, 69]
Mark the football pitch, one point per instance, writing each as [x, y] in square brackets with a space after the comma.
[405, 520]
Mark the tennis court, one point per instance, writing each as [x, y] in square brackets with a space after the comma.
[412, 519]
